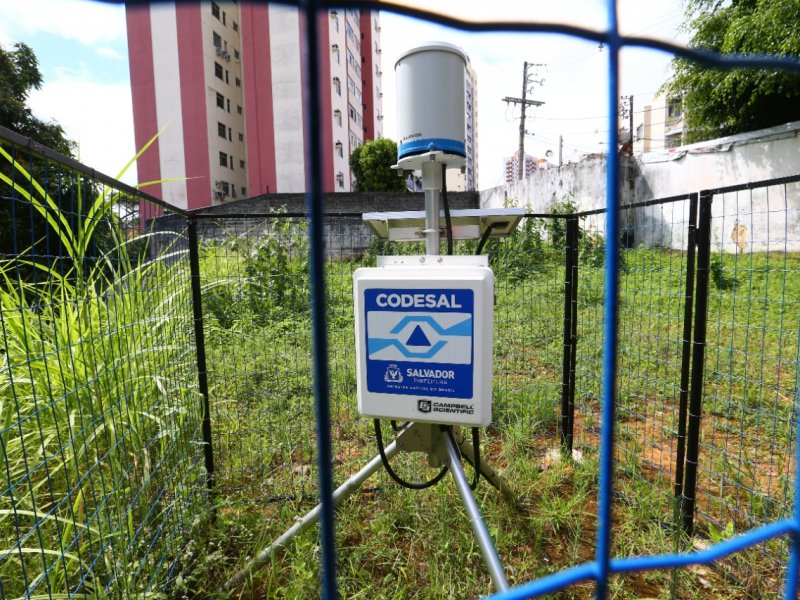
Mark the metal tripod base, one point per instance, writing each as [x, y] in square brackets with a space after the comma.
[408, 438]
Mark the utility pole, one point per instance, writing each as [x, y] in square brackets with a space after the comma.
[626, 110]
[560, 148]
[525, 103]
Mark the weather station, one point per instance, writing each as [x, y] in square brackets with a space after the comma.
[424, 324]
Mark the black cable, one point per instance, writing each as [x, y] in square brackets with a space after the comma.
[485, 237]
[406, 484]
[476, 447]
[446, 206]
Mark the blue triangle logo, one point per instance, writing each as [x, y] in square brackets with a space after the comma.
[418, 338]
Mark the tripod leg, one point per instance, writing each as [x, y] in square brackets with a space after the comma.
[342, 492]
[482, 536]
[486, 471]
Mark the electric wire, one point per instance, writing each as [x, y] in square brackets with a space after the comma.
[446, 206]
[412, 485]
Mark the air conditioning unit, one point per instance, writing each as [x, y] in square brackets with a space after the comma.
[218, 185]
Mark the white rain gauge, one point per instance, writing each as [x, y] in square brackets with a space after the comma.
[424, 324]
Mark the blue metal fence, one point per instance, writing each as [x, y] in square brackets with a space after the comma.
[604, 564]
[184, 492]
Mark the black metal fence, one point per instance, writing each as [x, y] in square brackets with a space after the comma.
[101, 446]
[144, 362]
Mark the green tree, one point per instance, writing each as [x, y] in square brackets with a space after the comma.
[371, 166]
[718, 103]
[19, 75]
[21, 227]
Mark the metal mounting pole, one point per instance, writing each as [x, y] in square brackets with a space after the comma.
[342, 492]
[487, 472]
[432, 185]
[482, 535]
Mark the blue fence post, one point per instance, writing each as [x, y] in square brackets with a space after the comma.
[610, 316]
[316, 217]
[793, 570]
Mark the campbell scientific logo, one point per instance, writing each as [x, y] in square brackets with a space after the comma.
[424, 406]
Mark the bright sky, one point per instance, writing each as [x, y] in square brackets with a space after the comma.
[82, 50]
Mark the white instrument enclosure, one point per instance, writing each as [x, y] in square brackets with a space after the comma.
[424, 331]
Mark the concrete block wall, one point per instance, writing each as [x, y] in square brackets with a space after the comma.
[345, 232]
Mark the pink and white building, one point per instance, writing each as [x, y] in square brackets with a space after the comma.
[224, 83]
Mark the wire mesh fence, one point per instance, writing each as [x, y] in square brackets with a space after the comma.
[102, 472]
[108, 366]
[102, 437]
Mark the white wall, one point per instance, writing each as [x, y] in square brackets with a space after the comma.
[753, 220]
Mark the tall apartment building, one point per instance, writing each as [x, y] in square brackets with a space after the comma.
[224, 80]
[468, 179]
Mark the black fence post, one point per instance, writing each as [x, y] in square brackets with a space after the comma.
[200, 344]
[698, 362]
[686, 350]
[570, 335]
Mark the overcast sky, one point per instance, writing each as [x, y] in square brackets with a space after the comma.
[82, 50]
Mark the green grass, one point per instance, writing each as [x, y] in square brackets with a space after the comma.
[396, 543]
[99, 413]
[125, 384]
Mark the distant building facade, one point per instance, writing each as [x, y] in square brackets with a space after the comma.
[659, 126]
[224, 82]
[467, 180]
[512, 167]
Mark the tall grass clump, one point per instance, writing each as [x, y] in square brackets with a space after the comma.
[99, 415]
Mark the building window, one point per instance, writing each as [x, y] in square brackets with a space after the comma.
[335, 50]
[238, 82]
[354, 63]
[241, 165]
[236, 54]
[217, 40]
[674, 110]
[244, 191]
[223, 159]
[235, 26]
[221, 129]
[230, 160]
[223, 18]
[241, 137]
[230, 134]
[227, 80]
[337, 116]
[218, 70]
[238, 109]
[226, 190]
[340, 149]
[215, 9]
[340, 179]
[221, 101]
[337, 85]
